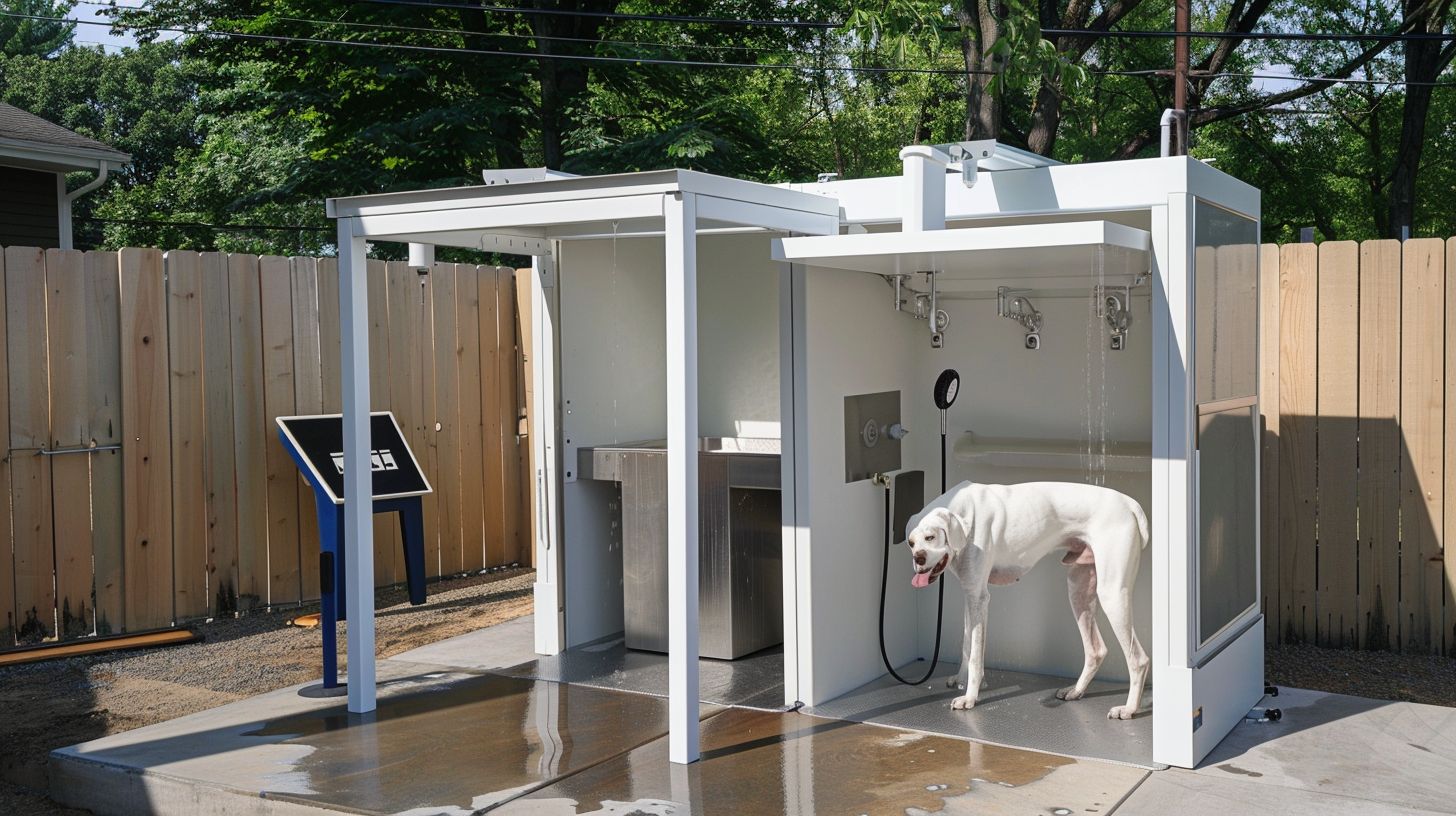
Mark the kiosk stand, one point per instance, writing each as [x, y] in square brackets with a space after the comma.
[316, 444]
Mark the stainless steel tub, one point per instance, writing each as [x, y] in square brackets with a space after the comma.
[740, 587]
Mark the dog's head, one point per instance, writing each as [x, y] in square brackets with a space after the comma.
[935, 539]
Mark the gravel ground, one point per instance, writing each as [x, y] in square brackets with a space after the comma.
[1382, 675]
[48, 705]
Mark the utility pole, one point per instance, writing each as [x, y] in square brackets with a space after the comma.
[1180, 77]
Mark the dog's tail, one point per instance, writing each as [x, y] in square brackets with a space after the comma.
[1142, 520]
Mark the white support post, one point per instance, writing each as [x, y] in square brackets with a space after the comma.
[550, 624]
[358, 482]
[680, 215]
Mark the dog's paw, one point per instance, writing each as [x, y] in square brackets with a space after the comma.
[1121, 712]
[1070, 693]
[963, 703]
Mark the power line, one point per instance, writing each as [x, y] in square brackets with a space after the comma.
[151, 222]
[686, 63]
[615, 15]
[761, 66]
[1236, 35]
[469, 33]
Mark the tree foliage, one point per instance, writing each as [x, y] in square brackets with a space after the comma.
[317, 98]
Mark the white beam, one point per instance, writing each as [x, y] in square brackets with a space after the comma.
[531, 214]
[358, 483]
[680, 214]
[749, 213]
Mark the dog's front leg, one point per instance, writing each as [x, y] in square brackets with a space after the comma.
[973, 661]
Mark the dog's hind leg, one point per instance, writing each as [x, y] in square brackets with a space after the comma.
[1114, 590]
[1082, 592]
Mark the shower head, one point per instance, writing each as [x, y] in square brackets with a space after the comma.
[946, 388]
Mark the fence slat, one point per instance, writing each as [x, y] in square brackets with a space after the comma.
[70, 415]
[528, 450]
[1378, 483]
[446, 479]
[103, 356]
[1269, 445]
[8, 617]
[1338, 404]
[1422, 400]
[189, 488]
[388, 557]
[1448, 630]
[249, 425]
[1298, 310]
[497, 550]
[30, 473]
[276, 281]
[509, 410]
[308, 399]
[422, 346]
[146, 451]
[472, 421]
[219, 454]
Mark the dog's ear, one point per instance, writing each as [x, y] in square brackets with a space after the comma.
[957, 531]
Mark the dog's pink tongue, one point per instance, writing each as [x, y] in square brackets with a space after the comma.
[921, 580]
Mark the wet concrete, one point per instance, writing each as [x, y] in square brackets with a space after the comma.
[753, 681]
[460, 747]
[759, 762]
[1015, 709]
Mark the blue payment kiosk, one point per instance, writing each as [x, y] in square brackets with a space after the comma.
[316, 444]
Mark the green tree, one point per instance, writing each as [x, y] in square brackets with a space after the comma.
[21, 34]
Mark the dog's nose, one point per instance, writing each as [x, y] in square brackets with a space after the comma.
[919, 558]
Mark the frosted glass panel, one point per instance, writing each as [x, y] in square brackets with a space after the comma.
[1228, 560]
[1226, 303]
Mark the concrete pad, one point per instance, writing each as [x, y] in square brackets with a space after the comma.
[442, 741]
[1188, 793]
[1390, 753]
[1016, 709]
[494, 647]
[764, 762]
[754, 681]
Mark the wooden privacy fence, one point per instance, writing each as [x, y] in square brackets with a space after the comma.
[1359, 400]
[145, 483]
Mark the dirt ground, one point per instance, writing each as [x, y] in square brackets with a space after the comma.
[49, 705]
[1412, 678]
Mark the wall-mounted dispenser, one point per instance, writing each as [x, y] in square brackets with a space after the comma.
[872, 434]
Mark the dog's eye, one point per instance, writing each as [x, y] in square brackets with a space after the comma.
[930, 537]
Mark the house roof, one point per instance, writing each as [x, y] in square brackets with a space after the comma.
[26, 140]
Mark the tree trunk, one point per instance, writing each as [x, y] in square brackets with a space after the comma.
[1046, 118]
[980, 30]
[563, 82]
[1424, 61]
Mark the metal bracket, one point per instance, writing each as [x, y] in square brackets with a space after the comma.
[1014, 304]
[64, 451]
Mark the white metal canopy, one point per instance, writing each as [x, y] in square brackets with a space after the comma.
[1018, 253]
[531, 218]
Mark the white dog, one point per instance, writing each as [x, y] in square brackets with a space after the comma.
[994, 534]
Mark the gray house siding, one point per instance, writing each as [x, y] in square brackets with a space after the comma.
[29, 214]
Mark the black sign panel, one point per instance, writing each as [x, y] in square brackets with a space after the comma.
[319, 440]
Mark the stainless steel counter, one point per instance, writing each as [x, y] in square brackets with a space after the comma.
[740, 587]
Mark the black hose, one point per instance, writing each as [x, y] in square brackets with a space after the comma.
[884, 584]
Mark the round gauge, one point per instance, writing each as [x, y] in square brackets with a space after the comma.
[946, 388]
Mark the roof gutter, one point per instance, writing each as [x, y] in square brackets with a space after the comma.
[104, 172]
